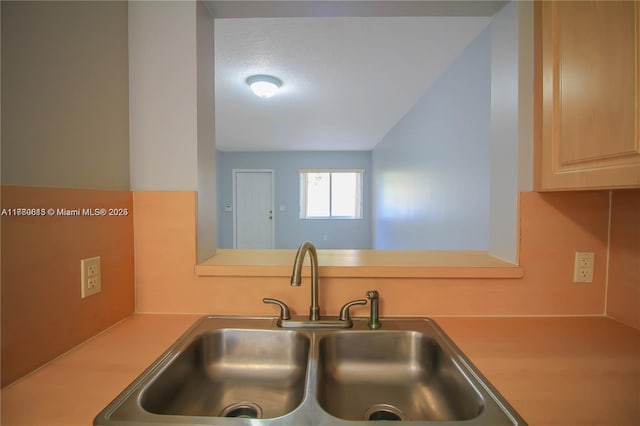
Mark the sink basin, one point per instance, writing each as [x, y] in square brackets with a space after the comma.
[241, 371]
[392, 375]
[233, 373]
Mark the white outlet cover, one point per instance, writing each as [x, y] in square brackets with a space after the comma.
[90, 277]
[583, 267]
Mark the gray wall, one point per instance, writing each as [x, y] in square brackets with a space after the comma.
[290, 230]
[65, 103]
[431, 180]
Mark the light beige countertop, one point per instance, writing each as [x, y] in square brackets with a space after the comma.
[554, 371]
[362, 263]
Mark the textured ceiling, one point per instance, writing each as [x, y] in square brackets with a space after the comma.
[347, 80]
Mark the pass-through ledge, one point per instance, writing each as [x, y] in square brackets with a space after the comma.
[362, 264]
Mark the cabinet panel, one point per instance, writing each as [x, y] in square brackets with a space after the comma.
[587, 66]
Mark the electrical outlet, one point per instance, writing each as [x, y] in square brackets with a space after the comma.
[91, 282]
[583, 267]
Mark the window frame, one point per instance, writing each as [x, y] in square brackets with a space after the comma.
[304, 193]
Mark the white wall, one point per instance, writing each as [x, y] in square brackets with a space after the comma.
[504, 132]
[511, 123]
[431, 180]
[172, 129]
[163, 95]
[206, 238]
[413, 177]
[525, 96]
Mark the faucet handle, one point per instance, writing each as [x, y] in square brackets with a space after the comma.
[344, 312]
[284, 309]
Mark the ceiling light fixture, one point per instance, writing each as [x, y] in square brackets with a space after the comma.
[264, 86]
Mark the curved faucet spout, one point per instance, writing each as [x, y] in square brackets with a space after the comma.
[296, 276]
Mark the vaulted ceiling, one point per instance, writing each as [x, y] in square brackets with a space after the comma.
[347, 80]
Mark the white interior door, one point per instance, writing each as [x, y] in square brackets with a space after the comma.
[253, 209]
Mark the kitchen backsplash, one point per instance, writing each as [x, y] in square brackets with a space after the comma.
[623, 292]
[43, 315]
[552, 227]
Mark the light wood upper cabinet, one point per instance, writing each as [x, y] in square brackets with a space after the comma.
[587, 94]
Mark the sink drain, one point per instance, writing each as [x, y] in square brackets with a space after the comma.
[383, 412]
[244, 409]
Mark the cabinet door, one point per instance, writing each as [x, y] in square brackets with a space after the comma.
[587, 89]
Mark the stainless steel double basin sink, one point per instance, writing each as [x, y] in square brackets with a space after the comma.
[247, 372]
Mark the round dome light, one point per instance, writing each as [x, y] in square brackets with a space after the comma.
[264, 86]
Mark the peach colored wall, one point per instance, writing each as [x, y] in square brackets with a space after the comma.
[43, 314]
[623, 291]
[552, 227]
